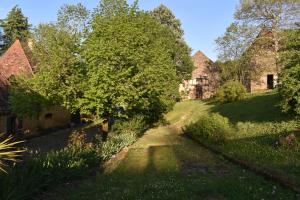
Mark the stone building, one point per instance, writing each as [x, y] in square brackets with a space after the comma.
[204, 81]
[14, 62]
[263, 62]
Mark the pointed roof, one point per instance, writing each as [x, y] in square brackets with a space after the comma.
[14, 61]
[202, 64]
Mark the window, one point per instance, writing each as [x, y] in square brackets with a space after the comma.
[48, 116]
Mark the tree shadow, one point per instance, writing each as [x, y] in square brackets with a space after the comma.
[261, 108]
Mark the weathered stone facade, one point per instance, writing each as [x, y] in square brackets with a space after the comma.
[204, 81]
[263, 62]
[12, 63]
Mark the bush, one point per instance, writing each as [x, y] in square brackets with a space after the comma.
[29, 178]
[231, 91]
[290, 89]
[136, 125]
[77, 160]
[212, 128]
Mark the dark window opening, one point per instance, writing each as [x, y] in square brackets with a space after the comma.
[11, 125]
[270, 81]
[20, 123]
[48, 116]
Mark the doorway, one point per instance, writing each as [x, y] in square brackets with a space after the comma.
[199, 92]
[270, 81]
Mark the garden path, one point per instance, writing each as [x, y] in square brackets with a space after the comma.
[163, 164]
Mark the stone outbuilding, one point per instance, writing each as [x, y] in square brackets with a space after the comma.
[204, 81]
[14, 62]
[263, 62]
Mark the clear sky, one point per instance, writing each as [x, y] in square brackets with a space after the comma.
[202, 20]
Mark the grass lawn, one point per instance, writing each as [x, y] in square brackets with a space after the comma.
[165, 165]
[260, 123]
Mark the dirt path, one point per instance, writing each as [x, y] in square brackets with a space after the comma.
[165, 165]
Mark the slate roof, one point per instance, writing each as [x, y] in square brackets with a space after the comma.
[13, 62]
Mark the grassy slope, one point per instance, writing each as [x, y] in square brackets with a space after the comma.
[164, 165]
[259, 124]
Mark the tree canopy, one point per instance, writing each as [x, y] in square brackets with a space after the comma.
[289, 79]
[15, 26]
[130, 65]
[181, 51]
[123, 62]
[60, 69]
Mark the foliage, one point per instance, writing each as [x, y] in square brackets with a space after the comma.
[60, 72]
[76, 161]
[231, 91]
[213, 128]
[9, 153]
[77, 139]
[271, 14]
[136, 125]
[165, 16]
[180, 50]
[15, 26]
[129, 65]
[29, 178]
[235, 41]
[289, 79]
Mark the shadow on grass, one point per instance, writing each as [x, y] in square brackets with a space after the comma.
[258, 108]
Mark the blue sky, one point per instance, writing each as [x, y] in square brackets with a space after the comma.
[202, 20]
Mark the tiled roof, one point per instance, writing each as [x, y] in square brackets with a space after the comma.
[13, 62]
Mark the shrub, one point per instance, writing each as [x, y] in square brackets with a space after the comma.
[136, 125]
[76, 161]
[212, 128]
[8, 152]
[29, 178]
[290, 89]
[231, 91]
[77, 139]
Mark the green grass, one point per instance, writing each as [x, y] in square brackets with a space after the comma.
[259, 124]
[165, 165]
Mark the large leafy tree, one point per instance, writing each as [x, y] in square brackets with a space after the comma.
[272, 14]
[232, 49]
[60, 70]
[166, 17]
[181, 51]
[130, 64]
[290, 77]
[15, 26]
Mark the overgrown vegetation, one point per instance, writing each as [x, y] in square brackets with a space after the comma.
[263, 135]
[9, 153]
[76, 161]
[231, 91]
[289, 87]
[213, 128]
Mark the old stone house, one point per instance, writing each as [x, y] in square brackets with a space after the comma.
[263, 62]
[15, 62]
[204, 81]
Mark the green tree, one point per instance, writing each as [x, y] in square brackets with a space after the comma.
[166, 17]
[59, 74]
[273, 14]
[232, 49]
[15, 26]
[130, 65]
[289, 79]
[181, 51]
